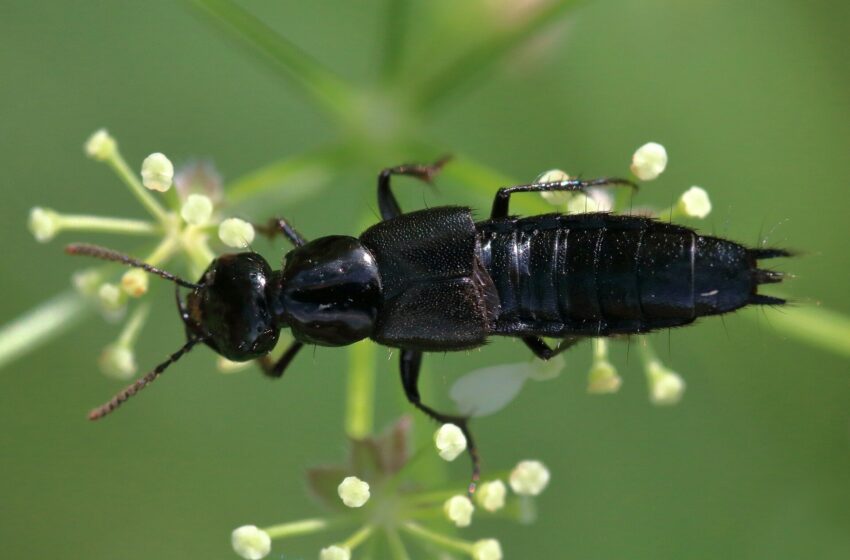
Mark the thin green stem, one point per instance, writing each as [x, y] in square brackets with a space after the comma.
[427, 535]
[359, 417]
[817, 326]
[303, 527]
[322, 86]
[130, 332]
[119, 165]
[41, 324]
[397, 548]
[359, 537]
[107, 225]
[471, 66]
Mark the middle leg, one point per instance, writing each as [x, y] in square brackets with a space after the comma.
[411, 363]
[503, 196]
[387, 202]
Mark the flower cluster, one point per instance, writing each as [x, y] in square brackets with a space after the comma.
[389, 505]
[182, 225]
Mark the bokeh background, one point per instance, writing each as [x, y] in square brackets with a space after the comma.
[751, 100]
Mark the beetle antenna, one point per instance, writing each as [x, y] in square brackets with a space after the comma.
[110, 255]
[141, 383]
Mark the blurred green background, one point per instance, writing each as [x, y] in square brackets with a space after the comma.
[752, 101]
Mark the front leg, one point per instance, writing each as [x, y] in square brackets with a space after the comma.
[503, 196]
[387, 202]
[411, 363]
[275, 369]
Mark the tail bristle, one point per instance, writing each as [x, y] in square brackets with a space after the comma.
[763, 276]
[769, 253]
[760, 299]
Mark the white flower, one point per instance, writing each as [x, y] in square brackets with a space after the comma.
[459, 510]
[353, 492]
[44, 224]
[100, 145]
[335, 552]
[529, 478]
[229, 366]
[603, 378]
[695, 203]
[491, 495]
[236, 233]
[110, 296]
[666, 387]
[487, 549]
[135, 282]
[555, 198]
[251, 542]
[118, 361]
[197, 209]
[450, 441]
[157, 172]
[649, 161]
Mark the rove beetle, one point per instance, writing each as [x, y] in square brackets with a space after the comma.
[435, 280]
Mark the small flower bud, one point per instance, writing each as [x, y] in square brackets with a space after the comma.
[544, 370]
[118, 361]
[157, 172]
[236, 233]
[110, 296]
[228, 366]
[335, 552]
[603, 378]
[459, 510]
[649, 161]
[450, 441]
[251, 542]
[491, 495]
[197, 209]
[555, 198]
[529, 478]
[353, 492]
[694, 203]
[487, 549]
[596, 200]
[666, 387]
[101, 146]
[87, 282]
[135, 282]
[44, 224]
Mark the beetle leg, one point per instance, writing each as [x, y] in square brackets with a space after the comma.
[279, 226]
[503, 196]
[386, 199]
[411, 362]
[543, 350]
[275, 369]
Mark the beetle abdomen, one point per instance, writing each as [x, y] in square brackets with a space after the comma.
[602, 274]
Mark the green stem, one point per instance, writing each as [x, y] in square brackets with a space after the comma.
[37, 326]
[134, 325]
[817, 326]
[119, 165]
[469, 68]
[421, 532]
[302, 527]
[360, 399]
[397, 548]
[359, 537]
[321, 85]
[107, 225]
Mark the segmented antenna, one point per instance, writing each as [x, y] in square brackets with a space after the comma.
[122, 396]
[110, 255]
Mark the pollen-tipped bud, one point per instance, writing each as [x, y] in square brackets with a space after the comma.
[459, 510]
[353, 492]
[487, 549]
[110, 296]
[649, 161]
[197, 209]
[236, 233]
[491, 495]
[101, 146]
[603, 378]
[44, 224]
[87, 282]
[135, 282]
[157, 172]
[118, 361]
[694, 203]
[335, 552]
[529, 478]
[251, 542]
[555, 198]
[450, 441]
[666, 387]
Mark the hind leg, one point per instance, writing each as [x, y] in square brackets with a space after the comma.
[543, 350]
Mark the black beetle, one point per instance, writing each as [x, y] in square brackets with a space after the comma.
[435, 280]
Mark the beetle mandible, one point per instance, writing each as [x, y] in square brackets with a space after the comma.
[435, 280]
